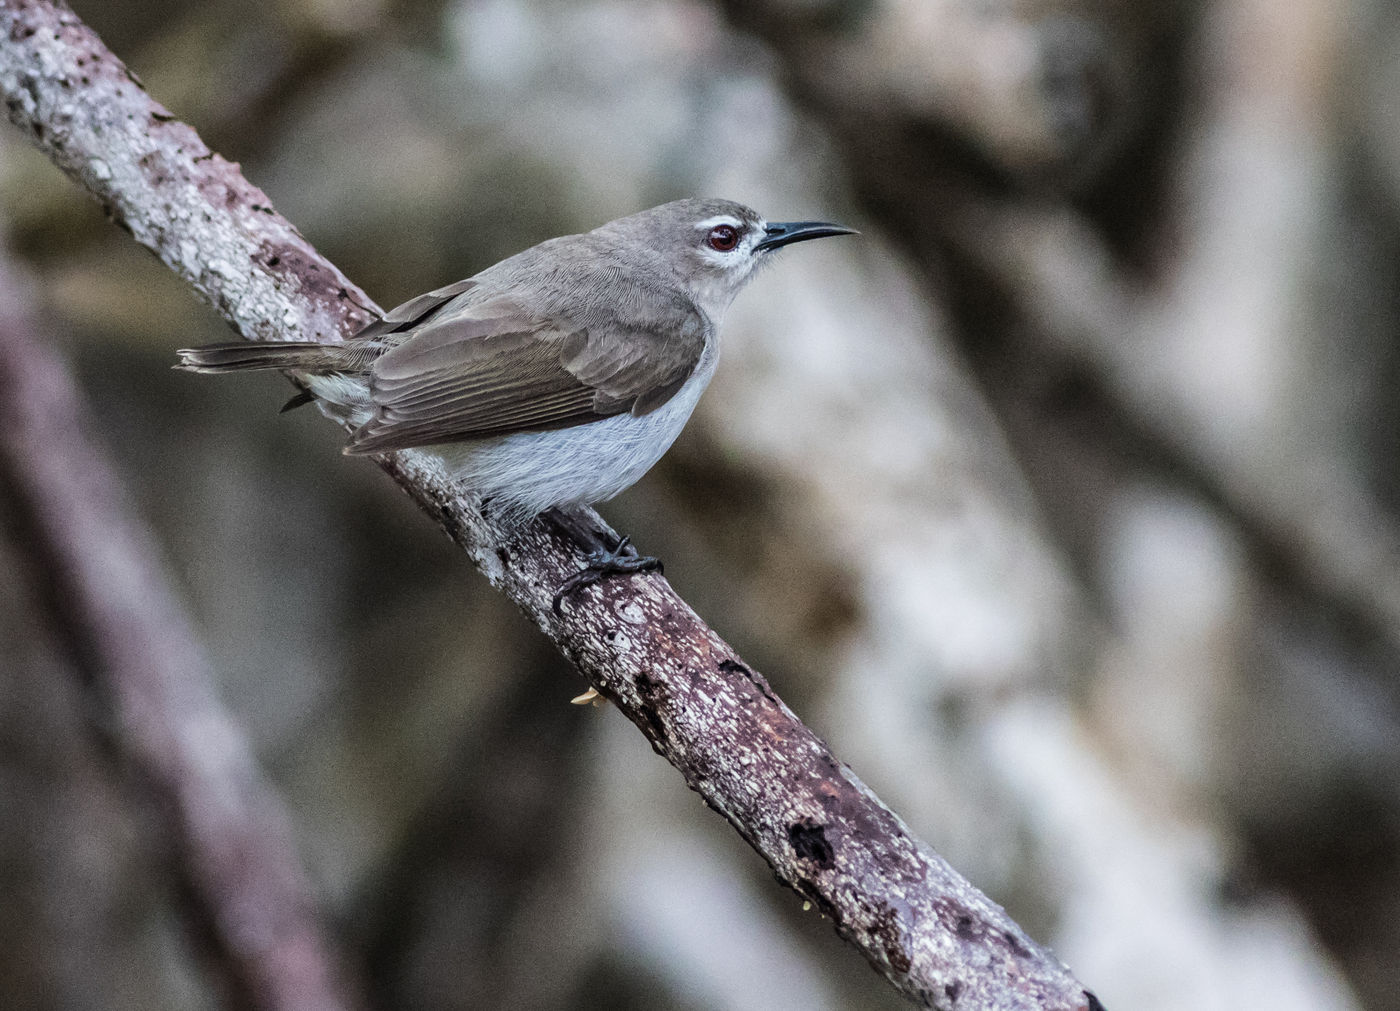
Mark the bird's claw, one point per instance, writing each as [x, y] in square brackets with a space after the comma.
[621, 560]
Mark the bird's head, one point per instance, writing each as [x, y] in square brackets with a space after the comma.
[713, 246]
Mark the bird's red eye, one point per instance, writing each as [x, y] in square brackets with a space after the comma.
[723, 238]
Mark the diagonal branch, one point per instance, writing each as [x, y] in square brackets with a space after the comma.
[936, 938]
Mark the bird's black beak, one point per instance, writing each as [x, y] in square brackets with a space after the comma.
[780, 233]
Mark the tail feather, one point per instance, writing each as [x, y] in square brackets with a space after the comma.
[297, 356]
[301, 399]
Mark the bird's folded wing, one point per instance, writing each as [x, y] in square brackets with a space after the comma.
[496, 369]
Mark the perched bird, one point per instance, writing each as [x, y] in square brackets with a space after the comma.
[554, 378]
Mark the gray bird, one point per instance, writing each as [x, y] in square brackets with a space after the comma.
[555, 378]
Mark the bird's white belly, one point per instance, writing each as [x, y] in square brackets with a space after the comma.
[526, 473]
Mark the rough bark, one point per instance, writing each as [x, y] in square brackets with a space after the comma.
[94, 565]
[937, 939]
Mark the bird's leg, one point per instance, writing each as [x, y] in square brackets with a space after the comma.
[588, 537]
[606, 555]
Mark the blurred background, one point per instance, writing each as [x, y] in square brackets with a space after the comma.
[1063, 502]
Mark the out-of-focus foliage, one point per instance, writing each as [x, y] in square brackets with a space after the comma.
[1062, 502]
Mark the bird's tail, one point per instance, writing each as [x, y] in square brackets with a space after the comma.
[297, 356]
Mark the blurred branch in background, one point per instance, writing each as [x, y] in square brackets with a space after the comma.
[151, 694]
[925, 928]
[1036, 88]
[1199, 352]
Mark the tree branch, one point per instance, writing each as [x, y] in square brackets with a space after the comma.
[937, 939]
[95, 567]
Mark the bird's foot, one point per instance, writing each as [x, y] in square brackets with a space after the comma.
[621, 559]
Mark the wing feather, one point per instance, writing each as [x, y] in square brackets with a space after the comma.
[416, 310]
[494, 368]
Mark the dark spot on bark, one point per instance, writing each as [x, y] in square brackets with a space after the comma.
[703, 769]
[29, 33]
[964, 928]
[610, 635]
[953, 990]
[1015, 944]
[651, 691]
[755, 678]
[38, 130]
[85, 79]
[342, 294]
[449, 521]
[63, 82]
[503, 555]
[274, 260]
[887, 931]
[206, 156]
[162, 117]
[808, 841]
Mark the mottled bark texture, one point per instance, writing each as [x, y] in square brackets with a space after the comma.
[94, 567]
[936, 938]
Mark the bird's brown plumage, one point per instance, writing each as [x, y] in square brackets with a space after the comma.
[492, 367]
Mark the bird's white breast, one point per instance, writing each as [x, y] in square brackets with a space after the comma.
[528, 472]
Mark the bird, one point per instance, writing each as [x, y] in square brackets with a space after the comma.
[553, 379]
